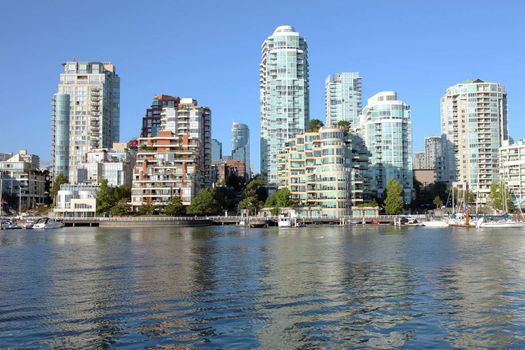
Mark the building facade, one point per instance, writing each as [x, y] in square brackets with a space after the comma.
[21, 179]
[316, 167]
[216, 150]
[115, 165]
[151, 122]
[474, 126]
[420, 161]
[176, 162]
[86, 113]
[241, 146]
[284, 95]
[222, 169]
[76, 201]
[343, 98]
[387, 131]
[512, 170]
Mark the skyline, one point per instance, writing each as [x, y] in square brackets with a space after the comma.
[148, 66]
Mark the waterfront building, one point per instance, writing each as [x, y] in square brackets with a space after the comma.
[78, 200]
[151, 122]
[387, 131]
[241, 146]
[86, 113]
[115, 165]
[432, 158]
[21, 177]
[176, 162]
[512, 170]
[216, 150]
[425, 177]
[360, 169]
[316, 167]
[222, 170]
[284, 95]
[474, 126]
[343, 96]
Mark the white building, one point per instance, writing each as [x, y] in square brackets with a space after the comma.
[86, 113]
[343, 98]
[512, 169]
[76, 201]
[473, 126]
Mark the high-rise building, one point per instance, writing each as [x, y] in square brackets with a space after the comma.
[420, 161]
[86, 113]
[343, 98]
[512, 170]
[241, 145]
[432, 158]
[151, 121]
[284, 95]
[216, 150]
[473, 127]
[387, 131]
[176, 162]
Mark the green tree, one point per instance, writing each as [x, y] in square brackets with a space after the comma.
[204, 203]
[59, 180]
[175, 207]
[146, 209]
[345, 125]
[501, 197]
[120, 209]
[315, 125]
[394, 200]
[437, 202]
[280, 199]
[104, 198]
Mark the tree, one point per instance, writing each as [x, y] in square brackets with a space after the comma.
[437, 202]
[501, 197]
[104, 198]
[204, 203]
[315, 125]
[146, 209]
[344, 125]
[394, 200]
[280, 199]
[120, 209]
[175, 207]
[59, 180]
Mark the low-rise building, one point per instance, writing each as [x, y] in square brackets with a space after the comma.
[115, 165]
[76, 201]
[425, 176]
[21, 177]
[222, 170]
[512, 169]
[316, 167]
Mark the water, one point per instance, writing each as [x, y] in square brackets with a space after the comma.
[229, 287]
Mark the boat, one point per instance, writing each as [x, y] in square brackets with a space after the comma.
[9, 225]
[481, 223]
[435, 223]
[47, 224]
[287, 219]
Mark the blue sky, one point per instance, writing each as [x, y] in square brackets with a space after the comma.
[210, 50]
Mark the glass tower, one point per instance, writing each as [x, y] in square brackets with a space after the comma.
[473, 126]
[94, 109]
[387, 131]
[284, 95]
[343, 99]
[241, 145]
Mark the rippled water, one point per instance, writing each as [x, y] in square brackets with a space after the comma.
[228, 287]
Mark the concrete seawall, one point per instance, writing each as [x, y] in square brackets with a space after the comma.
[152, 222]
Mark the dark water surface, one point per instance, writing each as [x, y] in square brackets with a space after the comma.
[229, 287]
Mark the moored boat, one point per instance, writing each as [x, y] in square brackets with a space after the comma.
[47, 224]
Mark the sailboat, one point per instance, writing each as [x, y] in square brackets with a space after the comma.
[504, 221]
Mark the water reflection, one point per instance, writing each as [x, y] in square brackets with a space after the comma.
[225, 287]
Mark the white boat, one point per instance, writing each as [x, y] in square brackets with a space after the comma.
[481, 223]
[435, 223]
[9, 225]
[47, 224]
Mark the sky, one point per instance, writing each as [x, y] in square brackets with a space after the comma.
[211, 50]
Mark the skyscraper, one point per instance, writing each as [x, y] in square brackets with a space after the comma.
[284, 95]
[89, 116]
[387, 131]
[473, 126]
[241, 145]
[216, 150]
[151, 121]
[343, 98]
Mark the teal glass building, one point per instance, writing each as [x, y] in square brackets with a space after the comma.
[343, 94]
[387, 131]
[284, 95]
